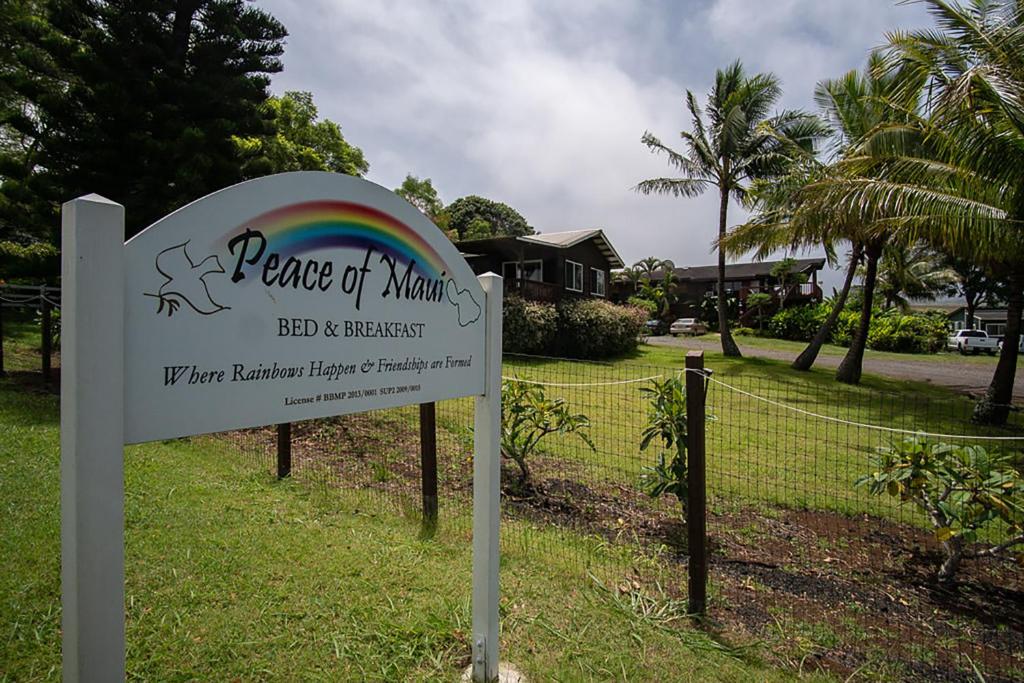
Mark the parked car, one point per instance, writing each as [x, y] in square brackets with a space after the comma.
[1020, 345]
[687, 326]
[972, 341]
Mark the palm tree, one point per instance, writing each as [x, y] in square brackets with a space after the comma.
[952, 173]
[914, 273]
[790, 217]
[738, 144]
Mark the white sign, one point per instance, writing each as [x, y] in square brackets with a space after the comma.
[291, 297]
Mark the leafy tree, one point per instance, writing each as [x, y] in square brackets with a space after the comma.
[528, 417]
[663, 290]
[468, 215]
[666, 424]
[739, 144]
[299, 142]
[976, 285]
[631, 275]
[787, 278]
[139, 101]
[915, 273]
[758, 301]
[962, 490]
[422, 195]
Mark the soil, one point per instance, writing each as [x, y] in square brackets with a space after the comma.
[855, 596]
[966, 378]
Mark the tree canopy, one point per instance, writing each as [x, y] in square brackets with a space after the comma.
[299, 141]
[474, 217]
[140, 101]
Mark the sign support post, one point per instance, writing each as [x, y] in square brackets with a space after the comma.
[487, 491]
[92, 440]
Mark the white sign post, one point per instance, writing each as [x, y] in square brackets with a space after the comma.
[285, 298]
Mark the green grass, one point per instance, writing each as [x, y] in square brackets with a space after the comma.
[757, 452]
[21, 341]
[232, 575]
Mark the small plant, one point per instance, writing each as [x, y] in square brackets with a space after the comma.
[528, 416]
[666, 423]
[962, 489]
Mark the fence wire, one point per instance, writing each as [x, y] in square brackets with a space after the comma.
[820, 573]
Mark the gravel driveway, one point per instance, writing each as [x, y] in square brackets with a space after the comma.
[963, 377]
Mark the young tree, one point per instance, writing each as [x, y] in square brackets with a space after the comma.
[138, 101]
[788, 279]
[299, 141]
[739, 143]
[421, 194]
[758, 301]
[501, 219]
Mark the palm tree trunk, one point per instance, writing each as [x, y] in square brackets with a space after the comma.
[729, 347]
[972, 307]
[849, 369]
[994, 408]
[807, 357]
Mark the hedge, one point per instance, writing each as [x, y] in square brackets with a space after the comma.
[890, 330]
[576, 328]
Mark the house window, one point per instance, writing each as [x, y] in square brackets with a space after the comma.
[532, 270]
[598, 286]
[573, 276]
[996, 329]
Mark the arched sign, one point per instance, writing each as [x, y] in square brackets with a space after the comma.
[285, 298]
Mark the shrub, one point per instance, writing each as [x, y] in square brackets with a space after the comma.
[528, 417]
[666, 422]
[528, 326]
[649, 308]
[594, 328]
[745, 332]
[798, 323]
[962, 490]
[907, 333]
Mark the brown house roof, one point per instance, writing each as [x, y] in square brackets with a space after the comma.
[741, 271]
[559, 240]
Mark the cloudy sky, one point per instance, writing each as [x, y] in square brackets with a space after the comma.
[541, 103]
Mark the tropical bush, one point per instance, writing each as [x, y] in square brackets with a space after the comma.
[528, 326]
[907, 332]
[798, 323]
[594, 328]
[962, 489]
[528, 417]
[666, 423]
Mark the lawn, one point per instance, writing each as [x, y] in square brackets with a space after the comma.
[758, 452]
[232, 575]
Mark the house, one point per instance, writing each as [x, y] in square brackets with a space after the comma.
[547, 267]
[991, 320]
[695, 283]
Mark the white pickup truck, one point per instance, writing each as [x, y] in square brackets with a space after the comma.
[972, 341]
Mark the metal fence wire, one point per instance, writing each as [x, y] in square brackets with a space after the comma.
[819, 573]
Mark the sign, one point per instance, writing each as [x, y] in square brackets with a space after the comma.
[292, 297]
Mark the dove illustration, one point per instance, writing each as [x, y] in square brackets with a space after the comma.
[469, 309]
[185, 281]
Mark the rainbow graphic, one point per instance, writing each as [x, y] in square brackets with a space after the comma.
[306, 227]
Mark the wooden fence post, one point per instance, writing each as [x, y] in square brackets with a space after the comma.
[696, 503]
[47, 335]
[284, 450]
[428, 462]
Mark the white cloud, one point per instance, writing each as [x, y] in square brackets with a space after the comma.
[542, 105]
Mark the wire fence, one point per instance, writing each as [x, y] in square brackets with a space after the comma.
[817, 571]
